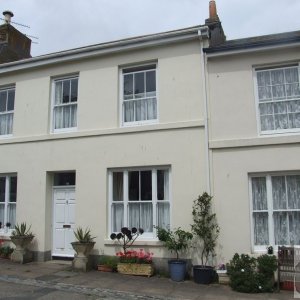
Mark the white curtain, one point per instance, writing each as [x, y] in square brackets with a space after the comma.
[6, 123]
[141, 216]
[117, 216]
[2, 206]
[286, 196]
[163, 214]
[65, 116]
[277, 85]
[259, 193]
[140, 110]
[11, 216]
[261, 230]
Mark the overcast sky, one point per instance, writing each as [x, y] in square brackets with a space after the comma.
[66, 24]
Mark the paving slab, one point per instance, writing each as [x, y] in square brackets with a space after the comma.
[57, 280]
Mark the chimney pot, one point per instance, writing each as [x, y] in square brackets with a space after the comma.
[213, 16]
[7, 16]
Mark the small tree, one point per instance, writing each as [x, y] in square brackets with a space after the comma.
[205, 226]
[175, 241]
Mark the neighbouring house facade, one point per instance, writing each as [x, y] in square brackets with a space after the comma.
[129, 133]
[254, 114]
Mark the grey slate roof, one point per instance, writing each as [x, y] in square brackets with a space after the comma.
[257, 41]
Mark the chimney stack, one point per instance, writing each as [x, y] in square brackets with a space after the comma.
[216, 33]
[7, 16]
[14, 45]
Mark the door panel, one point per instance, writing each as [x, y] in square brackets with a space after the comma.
[63, 221]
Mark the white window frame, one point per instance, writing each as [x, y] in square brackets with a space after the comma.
[8, 112]
[121, 94]
[146, 236]
[67, 129]
[270, 211]
[5, 231]
[258, 120]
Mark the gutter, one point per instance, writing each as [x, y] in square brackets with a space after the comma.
[147, 41]
[248, 49]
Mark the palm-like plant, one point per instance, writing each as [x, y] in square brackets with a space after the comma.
[22, 230]
[83, 236]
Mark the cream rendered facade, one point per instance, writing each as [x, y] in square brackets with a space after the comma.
[177, 140]
[238, 150]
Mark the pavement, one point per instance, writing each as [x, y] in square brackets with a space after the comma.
[56, 280]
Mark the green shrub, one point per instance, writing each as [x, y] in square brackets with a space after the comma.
[250, 275]
[6, 251]
[109, 261]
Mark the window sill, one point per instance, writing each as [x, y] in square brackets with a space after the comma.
[6, 136]
[139, 123]
[152, 243]
[64, 130]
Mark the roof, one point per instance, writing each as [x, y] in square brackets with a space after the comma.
[257, 42]
[145, 41]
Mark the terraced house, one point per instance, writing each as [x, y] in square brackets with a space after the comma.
[130, 132]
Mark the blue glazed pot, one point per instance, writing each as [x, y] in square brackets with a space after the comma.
[177, 270]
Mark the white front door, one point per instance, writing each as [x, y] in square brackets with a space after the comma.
[63, 221]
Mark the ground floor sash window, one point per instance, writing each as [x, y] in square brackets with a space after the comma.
[139, 198]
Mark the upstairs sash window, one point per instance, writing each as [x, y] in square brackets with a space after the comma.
[7, 105]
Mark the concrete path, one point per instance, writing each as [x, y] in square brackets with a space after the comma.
[56, 280]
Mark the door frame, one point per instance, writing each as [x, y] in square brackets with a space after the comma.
[59, 187]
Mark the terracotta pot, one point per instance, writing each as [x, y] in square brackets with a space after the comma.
[104, 268]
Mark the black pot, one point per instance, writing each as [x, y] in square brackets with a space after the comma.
[177, 270]
[203, 274]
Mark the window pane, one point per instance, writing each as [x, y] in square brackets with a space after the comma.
[294, 228]
[281, 228]
[129, 111]
[265, 93]
[266, 109]
[141, 216]
[151, 109]
[281, 121]
[292, 90]
[66, 91]
[11, 214]
[58, 117]
[11, 100]
[277, 76]
[139, 85]
[2, 207]
[293, 106]
[74, 89]
[117, 216]
[261, 231]
[128, 86]
[278, 91]
[259, 193]
[73, 116]
[117, 186]
[146, 185]
[294, 120]
[3, 97]
[263, 78]
[291, 75]
[58, 92]
[163, 214]
[293, 191]
[13, 189]
[133, 185]
[2, 189]
[150, 82]
[62, 179]
[267, 123]
[279, 192]
[141, 110]
[162, 185]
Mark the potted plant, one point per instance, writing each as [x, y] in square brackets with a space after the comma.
[206, 229]
[83, 246]
[132, 262]
[175, 241]
[21, 237]
[107, 263]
